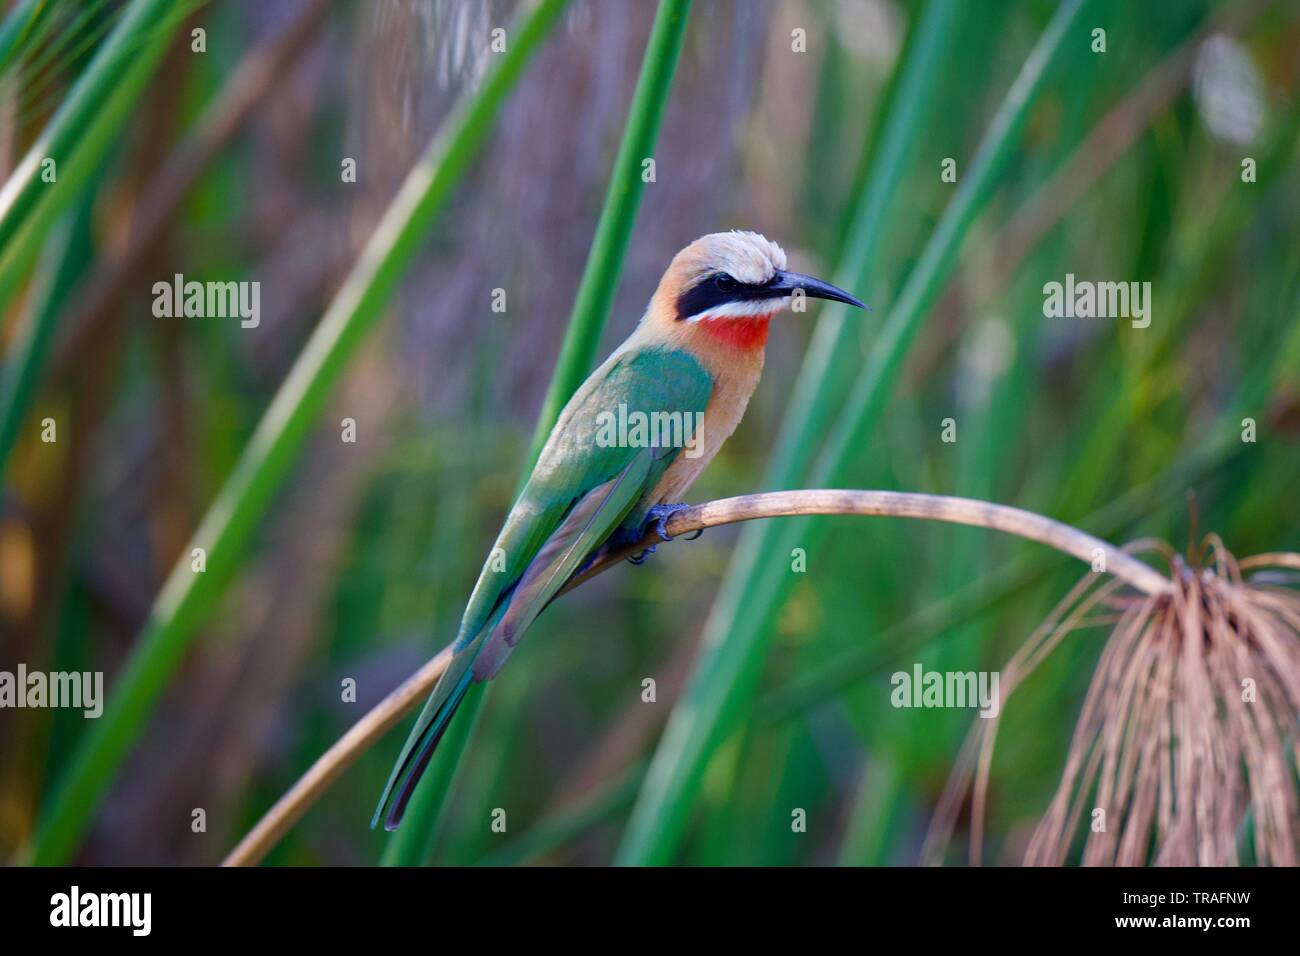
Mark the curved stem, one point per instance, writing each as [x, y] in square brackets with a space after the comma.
[776, 504]
[381, 718]
[898, 504]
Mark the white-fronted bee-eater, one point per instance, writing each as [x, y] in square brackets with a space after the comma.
[626, 447]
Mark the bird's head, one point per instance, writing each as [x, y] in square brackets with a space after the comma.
[728, 285]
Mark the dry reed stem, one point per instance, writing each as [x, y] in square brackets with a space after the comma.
[289, 808]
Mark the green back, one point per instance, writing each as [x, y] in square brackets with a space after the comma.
[578, 457]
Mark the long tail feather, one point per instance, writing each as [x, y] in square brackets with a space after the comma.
[590, 521]
[433, 723]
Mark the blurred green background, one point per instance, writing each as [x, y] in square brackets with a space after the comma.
[1129, 167]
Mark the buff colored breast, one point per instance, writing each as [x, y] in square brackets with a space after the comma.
[736, 371]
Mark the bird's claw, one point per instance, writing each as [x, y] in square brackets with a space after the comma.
[640, 557]
[660, 514]
[658, 517]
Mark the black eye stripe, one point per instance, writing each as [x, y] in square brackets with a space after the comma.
[709, 293]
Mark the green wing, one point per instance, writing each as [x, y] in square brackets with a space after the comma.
[576, 460]
[581, 489]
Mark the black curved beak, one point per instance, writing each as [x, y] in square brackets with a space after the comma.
[787, 282]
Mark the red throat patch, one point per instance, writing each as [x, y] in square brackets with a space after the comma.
[741, 333]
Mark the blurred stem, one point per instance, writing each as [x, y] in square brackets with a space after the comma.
[18, 26]
[56, 44]
[80, 132]
[238, 98]
[1110, 139]
[410, 845]
[874, 815]
[833, 350]
[188, 597]
[617, 217]
[62, 263]
[556, 829]
[736, 633]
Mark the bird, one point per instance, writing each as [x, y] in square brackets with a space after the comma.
[606, 474]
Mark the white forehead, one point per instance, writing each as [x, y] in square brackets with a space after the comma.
[745, 256]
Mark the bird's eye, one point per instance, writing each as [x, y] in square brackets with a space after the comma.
[725, 283]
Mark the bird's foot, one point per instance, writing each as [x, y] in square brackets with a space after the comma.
[657, 518]
[659, 514]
